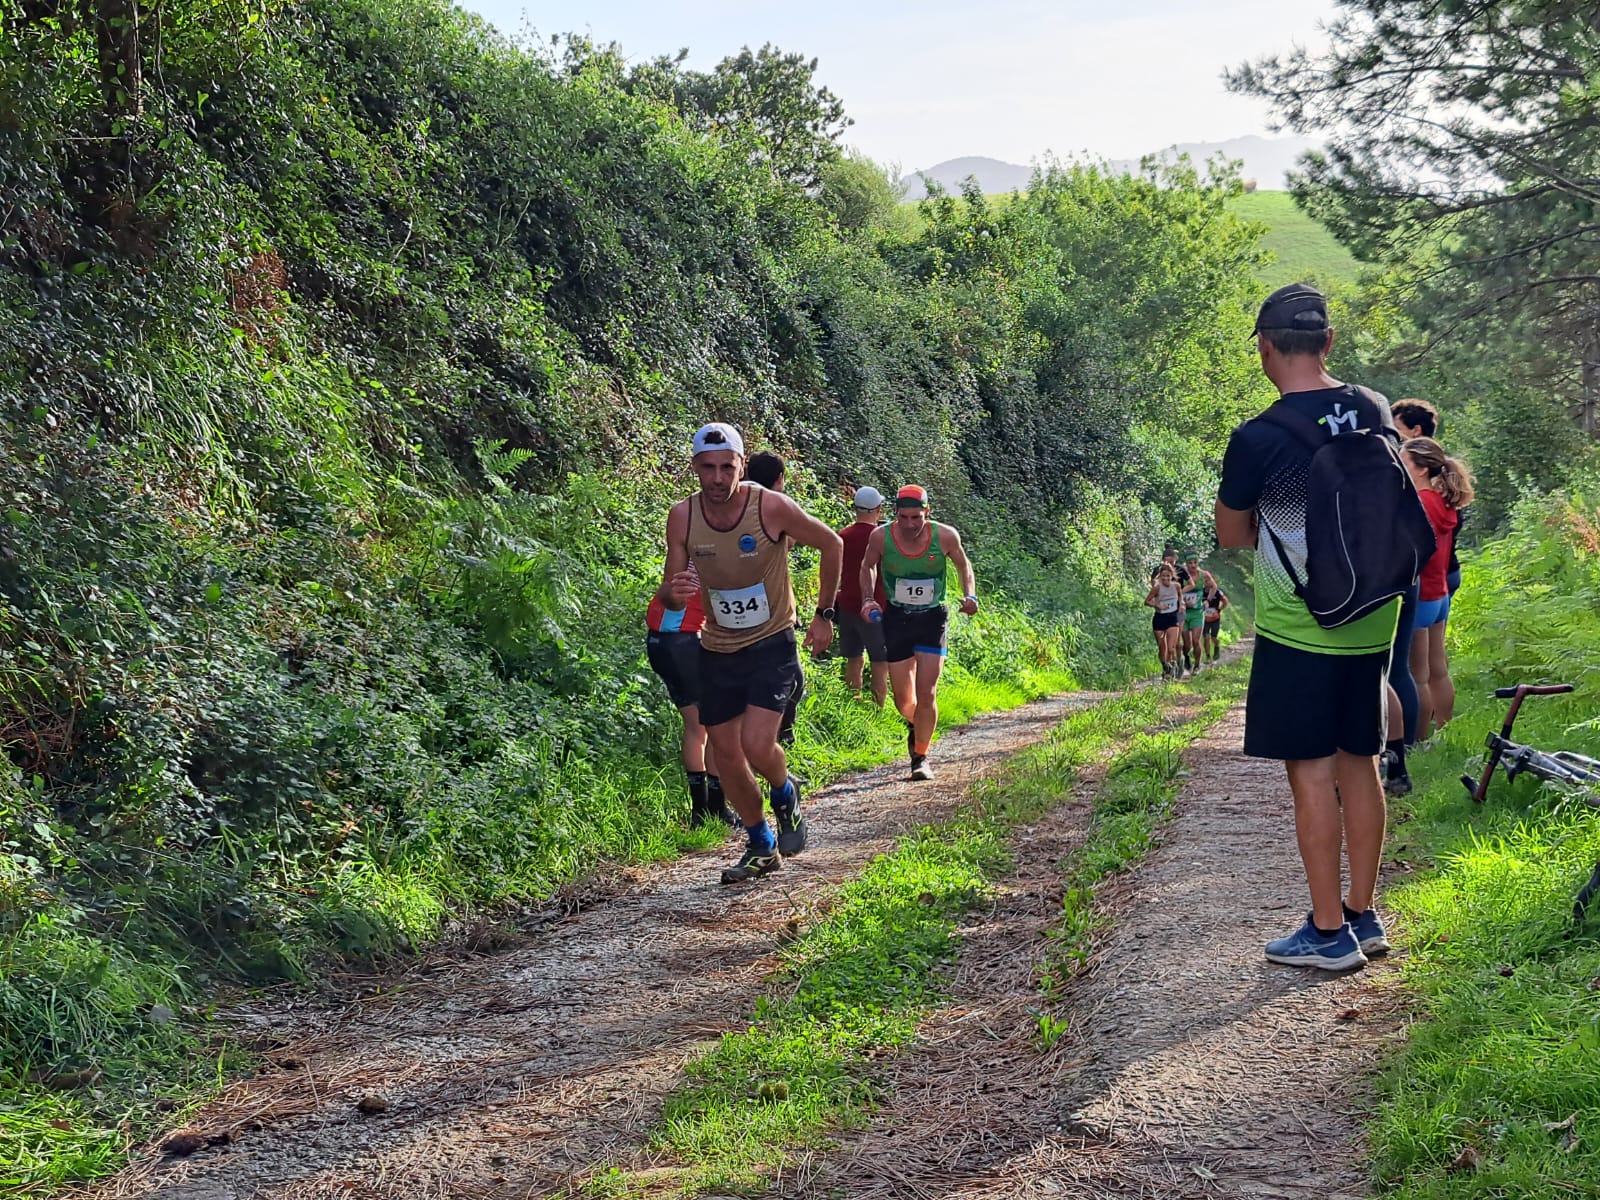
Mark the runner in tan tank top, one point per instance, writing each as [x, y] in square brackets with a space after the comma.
[727, 543]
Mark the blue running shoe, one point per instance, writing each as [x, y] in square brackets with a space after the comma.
[1308, 946]
[1369, 931]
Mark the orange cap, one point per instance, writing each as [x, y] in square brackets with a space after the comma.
[911, 496]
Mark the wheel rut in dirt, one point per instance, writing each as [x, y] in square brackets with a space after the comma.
[506, 1076]
[1192, 1067]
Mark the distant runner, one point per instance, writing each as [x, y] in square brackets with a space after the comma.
[727, 544]
[1166, 598]
[1211, 636]
[859, 637]
[1169, 557]
[1194, 581]
[913, 555]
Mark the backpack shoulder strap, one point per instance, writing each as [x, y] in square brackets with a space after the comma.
[1300, 425]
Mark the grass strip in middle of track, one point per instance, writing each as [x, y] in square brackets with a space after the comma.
[865, 976]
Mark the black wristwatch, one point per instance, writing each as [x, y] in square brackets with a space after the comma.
[828, 614]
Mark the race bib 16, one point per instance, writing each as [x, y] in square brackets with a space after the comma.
[915, 593]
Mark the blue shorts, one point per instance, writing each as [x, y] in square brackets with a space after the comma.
[1431, 612]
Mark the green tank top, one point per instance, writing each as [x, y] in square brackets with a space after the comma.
[914, 584]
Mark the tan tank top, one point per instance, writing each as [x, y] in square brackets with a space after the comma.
[744, 576]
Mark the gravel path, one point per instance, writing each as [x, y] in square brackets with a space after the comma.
[1189, 1065]
[1192, 1066]
[505, 1076]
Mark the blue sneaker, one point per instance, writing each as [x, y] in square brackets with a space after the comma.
[1310, 947]
[1369, 931]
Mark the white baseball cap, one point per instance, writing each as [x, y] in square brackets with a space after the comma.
[869, 498]
[718, 436]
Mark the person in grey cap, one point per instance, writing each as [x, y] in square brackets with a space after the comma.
[859, 637]
[728, 543]
[1317, 697]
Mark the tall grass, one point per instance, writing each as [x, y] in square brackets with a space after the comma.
[1498, 1089]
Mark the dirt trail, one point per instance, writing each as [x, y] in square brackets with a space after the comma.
[503, 1077]
[1193, 1068]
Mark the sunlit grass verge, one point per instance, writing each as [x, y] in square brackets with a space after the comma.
[863, 979]
[1497, 1090]
[1129, 807]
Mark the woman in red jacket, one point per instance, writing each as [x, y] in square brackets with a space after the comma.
[1445, 485]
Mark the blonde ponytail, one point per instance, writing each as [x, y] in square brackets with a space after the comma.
[1451, 477]
[1455, 483]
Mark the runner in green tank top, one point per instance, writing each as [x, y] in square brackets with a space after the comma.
[913, 554]
[1194, 610]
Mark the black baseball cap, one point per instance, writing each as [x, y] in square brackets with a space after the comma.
[1299, 307]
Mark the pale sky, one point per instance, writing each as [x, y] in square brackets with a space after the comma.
[1011, 79]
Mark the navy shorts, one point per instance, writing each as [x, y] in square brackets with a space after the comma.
[907, 634]
[676, 658]
[764, 675]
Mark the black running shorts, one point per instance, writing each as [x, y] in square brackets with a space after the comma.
[764, 675]
[676, 658]
[906, 634]
[1213, 628]
[1305, 705]
[1161, 621]
[858, 637]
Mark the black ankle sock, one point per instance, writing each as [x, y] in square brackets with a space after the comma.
[714, 789]
[1398, 749]
[1350, 914]
[1326, 932]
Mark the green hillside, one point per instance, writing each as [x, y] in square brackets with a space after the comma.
[1305, 250]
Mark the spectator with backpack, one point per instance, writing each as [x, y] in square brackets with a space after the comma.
[1316, 485]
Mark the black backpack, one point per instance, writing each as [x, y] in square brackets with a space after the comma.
[1367, 534]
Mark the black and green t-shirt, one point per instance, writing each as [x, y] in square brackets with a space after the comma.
[1266, 469]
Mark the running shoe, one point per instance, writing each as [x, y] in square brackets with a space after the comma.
[1308, 946]
[1398, 785]
[920, 768]
[753, 865]
[1368, 929]
[791, 822]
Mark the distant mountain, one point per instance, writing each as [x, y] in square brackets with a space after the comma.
[992, 175]
[1266, 160]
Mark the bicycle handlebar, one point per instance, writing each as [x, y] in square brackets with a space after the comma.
[1516, 695]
